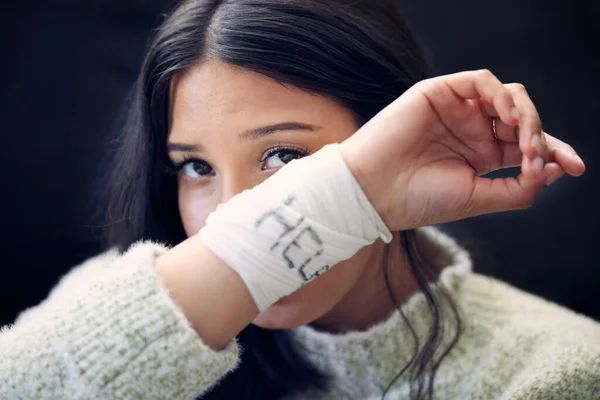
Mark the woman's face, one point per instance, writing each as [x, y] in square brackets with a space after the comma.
[213, 108]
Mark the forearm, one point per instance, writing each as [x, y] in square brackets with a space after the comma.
[211, 295]
[115, 334]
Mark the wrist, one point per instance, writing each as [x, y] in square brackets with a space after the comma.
[368, 181]
[294, 226]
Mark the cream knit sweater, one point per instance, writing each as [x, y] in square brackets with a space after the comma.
[109, 330]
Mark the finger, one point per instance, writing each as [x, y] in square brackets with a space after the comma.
[563, 154]
[511, 155]
[504, 132]
[504, 194]
[531, 140]
[483, 84]
[558, 151]
[554, 173]
[571, 163]
[495, 195]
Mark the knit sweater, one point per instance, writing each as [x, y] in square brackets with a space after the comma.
[109, 330]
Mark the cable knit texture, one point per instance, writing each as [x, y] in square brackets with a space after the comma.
[514, 345]
[109, 330]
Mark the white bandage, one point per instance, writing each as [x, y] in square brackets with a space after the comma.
[281, 234]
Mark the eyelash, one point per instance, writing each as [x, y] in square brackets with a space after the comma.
[174, 168]
[280, 148]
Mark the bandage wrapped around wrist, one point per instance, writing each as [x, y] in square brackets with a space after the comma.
[294, 226]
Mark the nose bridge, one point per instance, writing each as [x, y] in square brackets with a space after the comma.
[233, 183]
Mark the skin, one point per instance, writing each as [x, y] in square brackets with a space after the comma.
[211, 104]
[420, 161]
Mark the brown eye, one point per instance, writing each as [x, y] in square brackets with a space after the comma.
[196, 169]
[277, 158]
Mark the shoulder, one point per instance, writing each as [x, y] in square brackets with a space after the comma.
[522, 310]
[80, 277]
[541, 349]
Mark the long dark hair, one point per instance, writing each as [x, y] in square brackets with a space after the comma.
[359, 53]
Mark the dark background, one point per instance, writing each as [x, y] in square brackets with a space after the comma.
[67, 66]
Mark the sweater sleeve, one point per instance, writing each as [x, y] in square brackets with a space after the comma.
[109, 330]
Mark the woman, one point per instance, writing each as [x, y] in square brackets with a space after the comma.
[333, 96]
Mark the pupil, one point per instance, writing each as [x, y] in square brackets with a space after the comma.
[201, 169]
[287, 157]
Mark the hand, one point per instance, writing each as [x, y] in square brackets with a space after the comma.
[420, 160]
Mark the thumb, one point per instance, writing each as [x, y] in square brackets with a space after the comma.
[504, 194]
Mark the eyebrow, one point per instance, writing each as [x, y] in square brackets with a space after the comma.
[256, 133]
[252, 134]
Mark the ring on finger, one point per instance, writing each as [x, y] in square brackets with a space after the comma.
[494, 132]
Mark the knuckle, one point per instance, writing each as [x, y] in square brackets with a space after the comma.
[485, 73]
[432, 87]
[425, 84]
[536, 123]
[422, 82]
[517, 87]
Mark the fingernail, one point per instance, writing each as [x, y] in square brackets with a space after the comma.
[515, 113]
[551, 179]
[538, 165]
